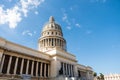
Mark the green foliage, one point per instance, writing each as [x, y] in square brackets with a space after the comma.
[101, 76]
[94, 74]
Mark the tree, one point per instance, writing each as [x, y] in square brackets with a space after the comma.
[101, 76]
[94, 74]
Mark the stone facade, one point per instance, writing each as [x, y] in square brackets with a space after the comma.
[50, 62]
[112, 77]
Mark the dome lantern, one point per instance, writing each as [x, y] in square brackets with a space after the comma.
[51, 19]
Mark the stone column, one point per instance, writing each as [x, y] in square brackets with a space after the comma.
[48, 70]
[41, 44]
[9, 64]
[56, 42]
[69, 69]
[22, 66]
[60, 43]
[53, 42]
[2, 62]
[45, 70]
[66, 70]
[41, 70]
[44, 43]
[27, 67]
[63, 69]
[36, 68]
[1, 54]
[32, 68]
[73, 70]
[16, 62]
[48, 42]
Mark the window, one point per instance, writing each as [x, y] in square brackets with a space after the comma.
[52, 33]
[48, 33]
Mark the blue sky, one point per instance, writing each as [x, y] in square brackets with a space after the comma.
[90, 27]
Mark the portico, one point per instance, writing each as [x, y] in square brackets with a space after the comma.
[12, 63]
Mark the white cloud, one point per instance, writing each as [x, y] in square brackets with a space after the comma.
[77, 25]
[68, 21]
[68, 27]
[36, 12]
[34, 32]
[88, 32]
[65, 19]
[12, 16]
[29, 33]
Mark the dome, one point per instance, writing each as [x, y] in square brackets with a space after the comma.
[51, 29]
[51, 25]
[51, 36]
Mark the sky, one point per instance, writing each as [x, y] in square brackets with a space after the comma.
[90, 27]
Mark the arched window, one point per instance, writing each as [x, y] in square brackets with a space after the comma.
[48, 33]
[52, 33]
[55, 27]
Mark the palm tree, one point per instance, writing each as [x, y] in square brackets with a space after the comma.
[101, 76]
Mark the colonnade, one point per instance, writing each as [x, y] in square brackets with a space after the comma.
[68, 69]
[51, 42]
[18, 66]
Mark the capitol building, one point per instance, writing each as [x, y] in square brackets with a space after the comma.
[50, 62]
